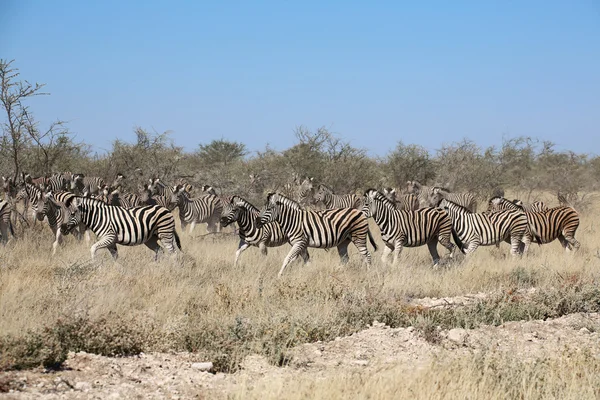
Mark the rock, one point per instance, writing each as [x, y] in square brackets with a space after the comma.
[584, 330]
[203, 366]
[83, 386]
[362, 363]
[457, 335]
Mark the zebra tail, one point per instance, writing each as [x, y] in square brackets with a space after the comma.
[177, 241]
[372, 240]
[458, 242]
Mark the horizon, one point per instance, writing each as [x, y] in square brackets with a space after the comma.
[373, 75]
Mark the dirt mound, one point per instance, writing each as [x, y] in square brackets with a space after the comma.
[179, 375]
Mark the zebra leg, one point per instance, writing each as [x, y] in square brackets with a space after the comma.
[113, 251]
[515, 245]
[471, 247]
[526, 242]
[241, 248]
[386, 252]
[57, 241]
[305, 257]
[361, 245]
[342, 249]
[444, 240]
[296, 249]
[432, 246]
[263, 248]
[106, 241]
[570, 243]
[397, 250]
[152, 244]
[192, 226]
[4, 231]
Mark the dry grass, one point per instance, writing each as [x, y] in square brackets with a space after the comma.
[206, 305]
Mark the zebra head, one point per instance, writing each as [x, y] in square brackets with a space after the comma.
[374, 201]
[413, 187]
[178, 193]
[436, 196]
[390, 193]
[77, 181]
[273, 209]
[231, 211]
[322, 193]
[118, 179]
[75, 206]
[497, 203]
[209, 190]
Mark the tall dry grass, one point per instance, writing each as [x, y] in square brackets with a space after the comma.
[206, 305]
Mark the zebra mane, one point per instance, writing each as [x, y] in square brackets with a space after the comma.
[327, 188]
[458, 206]
[245, 203]
[380, 197]
[284, 200]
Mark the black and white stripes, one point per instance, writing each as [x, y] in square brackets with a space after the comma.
[321, 229]
[116, 225]
[408, 228]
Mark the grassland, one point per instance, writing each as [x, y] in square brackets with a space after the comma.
[202, 304]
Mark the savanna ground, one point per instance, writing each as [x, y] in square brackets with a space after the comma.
[486, 327]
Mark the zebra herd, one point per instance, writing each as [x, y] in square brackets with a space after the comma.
[419, 215]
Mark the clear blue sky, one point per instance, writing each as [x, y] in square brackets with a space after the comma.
[374, 72]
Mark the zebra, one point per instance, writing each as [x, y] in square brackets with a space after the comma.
[422, 192]
[244, 213]
[408, 228]
[127, 200]
[299, 191]
[52, 206]
[471, 230]
[467, 200]
[545, 226]
[6, 225]
[206, 208]
[86, 185]
[408, 202]
[40, 181]
[321, 229]
[536, 206]
[330, 200]
[117, 182]
[146, 198]
[30, 194]
[56, 183]
[116, 225]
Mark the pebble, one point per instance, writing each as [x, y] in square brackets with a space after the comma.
[203, 366]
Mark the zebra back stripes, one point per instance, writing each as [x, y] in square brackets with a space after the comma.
[321, 229]
[6, 226]
[206, 208]
[471, 230]
[331, 200]
[545, 226]
[86, 185]
[466, 200]
[116, 225]
[408, 202]
[403, 228]
[299, 191]
[239, 210]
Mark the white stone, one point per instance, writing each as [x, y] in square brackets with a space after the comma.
[457, 335]
[203, 366]
[584, 330]
[82, 386]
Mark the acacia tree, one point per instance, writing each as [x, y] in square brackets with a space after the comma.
[13, 93]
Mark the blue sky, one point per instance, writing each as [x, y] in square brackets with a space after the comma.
[374, 72]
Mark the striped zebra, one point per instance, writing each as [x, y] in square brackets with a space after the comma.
[330, 200]
[408, 228]
[421, 191]
[127, 200]
[545, 226]
[471, 230]
[56, 183]
[52, 206]
[298, 191]
[30, 194]
[536, 206]
[147, 198]
[245, 214]
[206, 208]
[321, 229]
[408, 202]
[6, 225]
[116, 225]
[39, 181]
[86, 185]
[467, 200]
[117, 182]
